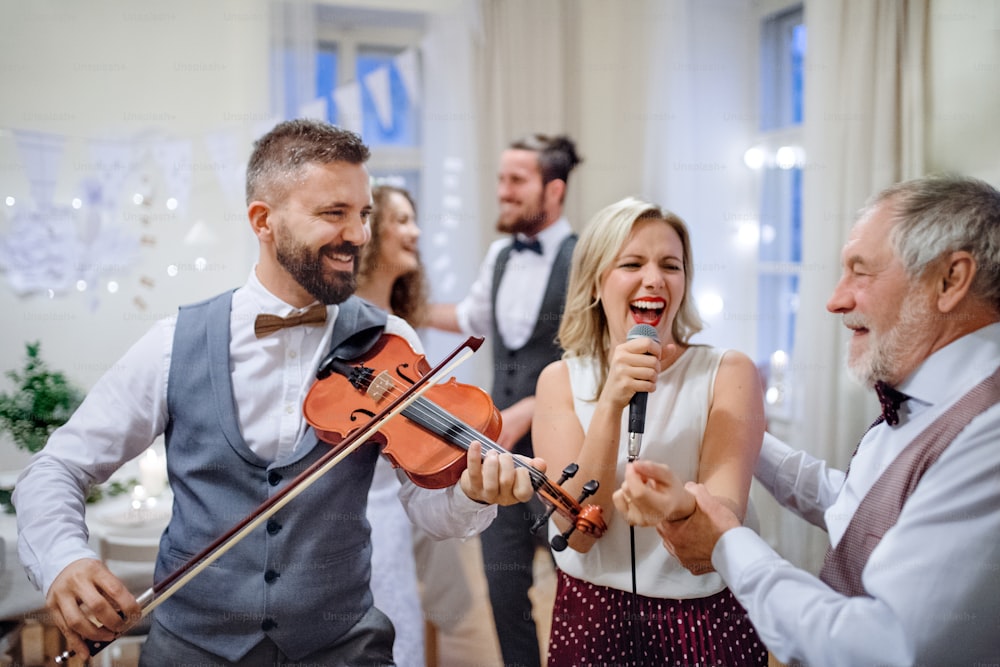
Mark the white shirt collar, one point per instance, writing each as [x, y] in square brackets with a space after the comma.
[955, 367]
[551, 237]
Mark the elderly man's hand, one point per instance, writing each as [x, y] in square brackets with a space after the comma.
[693, 539]
[651, 493]
[495, 479]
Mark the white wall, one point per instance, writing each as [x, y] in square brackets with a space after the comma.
[964, 131]
[146, 75]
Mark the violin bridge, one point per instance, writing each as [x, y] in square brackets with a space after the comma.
[380, 385]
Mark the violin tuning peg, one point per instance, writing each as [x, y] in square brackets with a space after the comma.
[568, 472]
[542, 520]
[589, 489]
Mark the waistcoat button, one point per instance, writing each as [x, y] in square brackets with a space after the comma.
[268, 624]
[274, 478]
[271, 575]
[273, 527]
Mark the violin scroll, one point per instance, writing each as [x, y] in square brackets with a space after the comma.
[587, 519]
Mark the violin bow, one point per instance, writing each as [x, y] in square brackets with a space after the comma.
[163, 590]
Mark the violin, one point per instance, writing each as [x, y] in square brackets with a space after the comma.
[379, 397]
[431, 442]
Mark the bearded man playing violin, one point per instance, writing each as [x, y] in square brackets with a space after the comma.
[227, 388]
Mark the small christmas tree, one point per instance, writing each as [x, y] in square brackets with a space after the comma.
[42, 402]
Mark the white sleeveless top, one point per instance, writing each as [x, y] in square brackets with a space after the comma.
[676, 415]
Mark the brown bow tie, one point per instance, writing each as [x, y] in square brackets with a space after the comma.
[267, 324]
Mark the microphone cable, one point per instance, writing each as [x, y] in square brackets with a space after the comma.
[636, 615]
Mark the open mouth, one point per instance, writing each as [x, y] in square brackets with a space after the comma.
[858, 331]
[648, 310]
[342, 261]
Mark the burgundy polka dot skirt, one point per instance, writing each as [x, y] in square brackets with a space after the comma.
[593, 625]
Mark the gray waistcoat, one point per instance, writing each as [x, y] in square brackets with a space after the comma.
[516, 371]
[881, 506]
[302, 577]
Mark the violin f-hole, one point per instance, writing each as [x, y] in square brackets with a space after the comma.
[368, 414]
[400, 373]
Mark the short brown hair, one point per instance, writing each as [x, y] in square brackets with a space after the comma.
[279, 155]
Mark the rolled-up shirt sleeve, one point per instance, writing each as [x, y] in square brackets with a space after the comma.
[445, 513]
[120, 417]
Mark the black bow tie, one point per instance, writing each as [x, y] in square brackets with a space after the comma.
[891, 399]
[534, 245]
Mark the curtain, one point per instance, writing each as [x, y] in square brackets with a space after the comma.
[523, 81]
[453, 162]
[865, 109]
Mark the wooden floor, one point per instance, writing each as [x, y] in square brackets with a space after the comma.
[473, 641]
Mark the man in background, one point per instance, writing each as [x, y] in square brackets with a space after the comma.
[517, 302]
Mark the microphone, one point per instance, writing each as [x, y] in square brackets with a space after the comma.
[637, 406]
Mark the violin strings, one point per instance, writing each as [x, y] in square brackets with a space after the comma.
[442, 419]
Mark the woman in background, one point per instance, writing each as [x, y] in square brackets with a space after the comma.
[391, 276]
[704, 418]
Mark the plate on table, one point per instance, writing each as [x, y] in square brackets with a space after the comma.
[129, 513]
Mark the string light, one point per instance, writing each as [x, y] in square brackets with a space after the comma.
[710, 303]
[788, 157]
[784, 157]
[754, 157]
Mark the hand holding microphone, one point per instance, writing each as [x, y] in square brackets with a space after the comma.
[637, 406]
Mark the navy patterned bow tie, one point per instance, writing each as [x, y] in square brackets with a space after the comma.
[891, 399]
[534, 245]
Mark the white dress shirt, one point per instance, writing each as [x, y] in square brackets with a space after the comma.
[127, 409]
[934, 579]
[521, 289]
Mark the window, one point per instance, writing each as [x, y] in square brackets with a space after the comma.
[366, 50]
[779, 157]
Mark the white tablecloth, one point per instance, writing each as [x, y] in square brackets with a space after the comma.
[109, 518]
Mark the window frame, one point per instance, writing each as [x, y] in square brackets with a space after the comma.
[351, 38]
[780, 194]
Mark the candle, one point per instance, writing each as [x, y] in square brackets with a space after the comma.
[153, 473]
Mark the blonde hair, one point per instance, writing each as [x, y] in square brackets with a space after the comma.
[583, 331]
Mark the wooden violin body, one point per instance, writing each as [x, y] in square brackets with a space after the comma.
[431, 442]
[339, 404]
